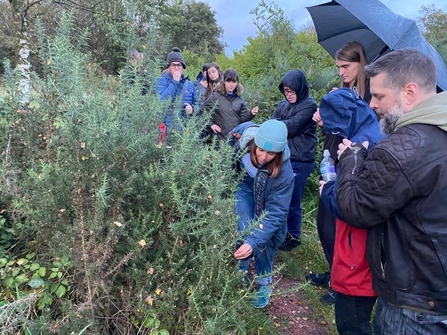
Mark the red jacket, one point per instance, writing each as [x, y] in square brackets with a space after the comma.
[350, 272]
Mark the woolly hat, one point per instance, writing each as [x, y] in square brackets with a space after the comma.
[175, 56]
[272, 136]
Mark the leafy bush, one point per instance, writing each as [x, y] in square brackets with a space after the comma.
[142, 233]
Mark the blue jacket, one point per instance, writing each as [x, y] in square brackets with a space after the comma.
[170, 89]
[301, 129]
[272, 197]
[346, 115]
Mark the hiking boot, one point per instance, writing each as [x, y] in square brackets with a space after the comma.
[328, 298]
[262, 297]
[319, 279]
[290, 243]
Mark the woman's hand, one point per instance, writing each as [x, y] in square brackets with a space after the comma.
[244, 251]
[216, 129]
[255, 110]
[317, 118]
[188, 108]
[322, 183]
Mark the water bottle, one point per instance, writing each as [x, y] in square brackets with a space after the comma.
[327, 168]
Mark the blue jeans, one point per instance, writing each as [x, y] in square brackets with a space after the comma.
[245, 210]
[302, 170]
[392, 320]
[353, 314]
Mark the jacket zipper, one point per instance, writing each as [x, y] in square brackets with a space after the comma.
[382, 266]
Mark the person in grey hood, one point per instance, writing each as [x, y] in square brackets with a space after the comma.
[398, 193]
[296, 111]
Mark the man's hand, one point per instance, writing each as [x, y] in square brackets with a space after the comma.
[343, 146]
[347, 144]
[244, 251]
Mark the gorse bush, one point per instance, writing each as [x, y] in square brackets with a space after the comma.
[109, 230]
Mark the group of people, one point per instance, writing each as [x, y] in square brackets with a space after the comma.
[287, 150]
[381, 223]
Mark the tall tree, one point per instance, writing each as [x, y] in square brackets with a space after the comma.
[192, 25]
[433, 24]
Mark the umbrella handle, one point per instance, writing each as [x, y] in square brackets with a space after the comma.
[385, 48]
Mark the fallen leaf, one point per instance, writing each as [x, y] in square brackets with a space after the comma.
[149, 300]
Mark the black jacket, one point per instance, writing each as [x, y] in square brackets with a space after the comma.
[399, 192]
[302, 138]
[228, 112]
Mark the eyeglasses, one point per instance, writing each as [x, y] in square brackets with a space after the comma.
[175, 65]
[287, 92]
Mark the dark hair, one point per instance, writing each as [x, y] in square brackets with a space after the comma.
[211, 85]
[205, 67]
[273, 167]
[404, 66]
[231, 75]
[354, 52]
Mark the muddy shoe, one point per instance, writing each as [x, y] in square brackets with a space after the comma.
[328, 298]
[319, 279]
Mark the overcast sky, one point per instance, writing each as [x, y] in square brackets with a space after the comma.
[235, 18]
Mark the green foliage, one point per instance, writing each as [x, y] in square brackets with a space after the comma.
[7, 232]
[192, 25]
[22, 278]
[275, 50]
[127, 235]
[433, 24]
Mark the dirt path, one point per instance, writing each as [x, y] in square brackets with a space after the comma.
[292, 313]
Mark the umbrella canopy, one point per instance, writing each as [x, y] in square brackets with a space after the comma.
[375, 26]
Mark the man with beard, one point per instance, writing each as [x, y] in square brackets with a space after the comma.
[398, 193]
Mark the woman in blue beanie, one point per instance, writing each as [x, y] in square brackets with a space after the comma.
[262, 200]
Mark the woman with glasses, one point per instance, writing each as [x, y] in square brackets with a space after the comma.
[296, 112]
[173, 84]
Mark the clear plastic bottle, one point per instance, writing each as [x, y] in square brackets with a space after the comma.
[327, 168]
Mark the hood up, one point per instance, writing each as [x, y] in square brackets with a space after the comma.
[345, 114]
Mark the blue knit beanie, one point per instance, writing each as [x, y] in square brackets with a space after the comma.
[272, 136]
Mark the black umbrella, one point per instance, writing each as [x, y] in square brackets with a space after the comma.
[375, 26]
